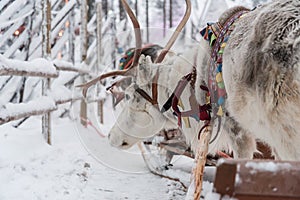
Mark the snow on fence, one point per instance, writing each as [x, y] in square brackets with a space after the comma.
[21, 36]
[22, 70]
[41, 68]
[37, 67]
[10, 111]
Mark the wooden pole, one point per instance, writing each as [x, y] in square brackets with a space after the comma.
[46, 53]
[99, 35]
[113, 38]
[99, 55]
[84, 47]
[72, 36]
[201, 154]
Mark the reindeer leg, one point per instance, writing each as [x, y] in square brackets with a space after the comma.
[242, 141]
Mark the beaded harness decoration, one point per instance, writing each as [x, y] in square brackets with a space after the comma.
[217, 36]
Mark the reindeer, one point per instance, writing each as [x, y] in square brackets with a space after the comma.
[142, 117]
[261, 75]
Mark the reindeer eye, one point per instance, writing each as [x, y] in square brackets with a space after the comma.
[127, 97]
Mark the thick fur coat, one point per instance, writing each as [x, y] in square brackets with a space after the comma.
[262, 78]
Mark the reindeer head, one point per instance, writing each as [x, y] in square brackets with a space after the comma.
[140, 117]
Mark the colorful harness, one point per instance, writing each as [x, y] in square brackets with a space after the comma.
[217, 36]
[127, 58]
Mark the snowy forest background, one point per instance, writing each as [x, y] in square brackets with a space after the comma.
[40, 66]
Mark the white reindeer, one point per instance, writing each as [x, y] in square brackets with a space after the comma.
[141, 116]
[262, 75]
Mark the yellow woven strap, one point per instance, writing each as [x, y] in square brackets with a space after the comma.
[186, 120]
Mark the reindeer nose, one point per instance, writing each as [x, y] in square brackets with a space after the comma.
[124, 143]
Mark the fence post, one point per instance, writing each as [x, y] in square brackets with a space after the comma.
[46, 53]
[84, 47]
[72, 37]
[113, 38]
[99, 54]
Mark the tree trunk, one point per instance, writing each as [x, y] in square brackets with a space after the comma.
[91, 8]
[147, 20]
[136, 8]
[121, 11]
[171, 14]
[164, 18]
[105, 8]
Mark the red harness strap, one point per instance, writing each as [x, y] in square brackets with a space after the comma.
[199, 112]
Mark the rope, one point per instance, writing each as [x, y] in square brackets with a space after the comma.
[89, 122]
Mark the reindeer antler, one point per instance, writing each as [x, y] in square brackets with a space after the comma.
[137, 33]
[87, 85]
[179, 28]
[137, 53]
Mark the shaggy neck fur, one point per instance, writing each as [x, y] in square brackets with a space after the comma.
[262, 75]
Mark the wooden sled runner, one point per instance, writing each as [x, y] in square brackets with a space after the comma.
[258, 179]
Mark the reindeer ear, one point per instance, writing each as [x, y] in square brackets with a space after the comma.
[144, 69]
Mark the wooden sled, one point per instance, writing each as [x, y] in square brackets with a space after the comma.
[258, 179]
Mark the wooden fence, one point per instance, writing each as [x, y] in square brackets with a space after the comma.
[50, 29]
[45, 29]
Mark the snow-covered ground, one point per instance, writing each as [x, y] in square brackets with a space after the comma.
[30, 169]
[80, 164]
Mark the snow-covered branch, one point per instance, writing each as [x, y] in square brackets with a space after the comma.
[37, 67]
